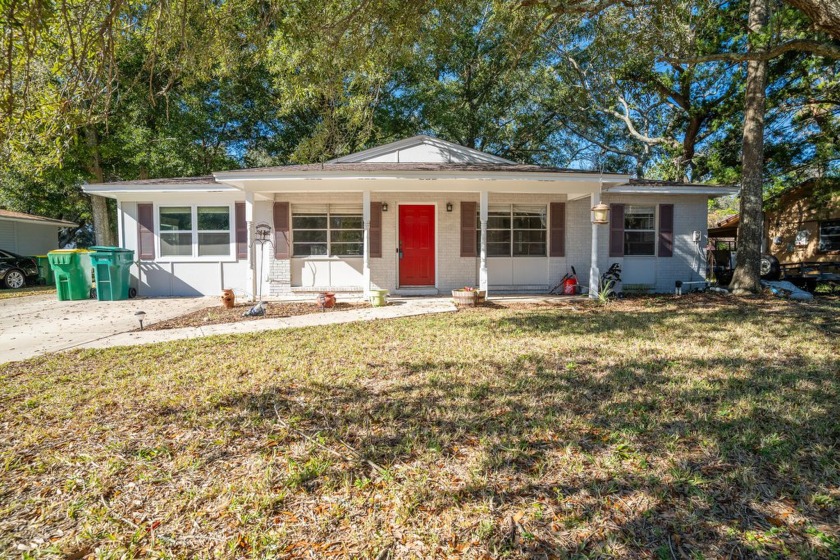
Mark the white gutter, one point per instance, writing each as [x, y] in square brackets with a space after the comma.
[696, 189]
[164, 188]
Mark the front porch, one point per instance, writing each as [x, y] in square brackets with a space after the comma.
[467, 243]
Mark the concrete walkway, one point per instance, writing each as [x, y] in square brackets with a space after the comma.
[398, 308]
[35, 325]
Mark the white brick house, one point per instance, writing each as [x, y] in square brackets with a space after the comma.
[419, 216]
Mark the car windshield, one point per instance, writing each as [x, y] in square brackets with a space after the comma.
[6, 255]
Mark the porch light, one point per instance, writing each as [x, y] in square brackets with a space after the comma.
[384, 206]
[601, 214]
[449, 207]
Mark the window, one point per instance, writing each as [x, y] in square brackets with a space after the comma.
[639, 230]
[327, 230]
[190, 231]
[829, 236]
[518, 231]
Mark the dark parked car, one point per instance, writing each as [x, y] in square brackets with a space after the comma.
[17, 271]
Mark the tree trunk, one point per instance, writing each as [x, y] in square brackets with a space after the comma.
[824, 13]
[102, 229]
[746, 278]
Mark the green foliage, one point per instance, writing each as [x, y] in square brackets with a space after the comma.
[95, 90]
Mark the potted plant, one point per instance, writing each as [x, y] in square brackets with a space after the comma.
[466, 296]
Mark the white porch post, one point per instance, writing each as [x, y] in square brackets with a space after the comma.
[249, 222]
[594, 272]
[366, 242]
[482, 270]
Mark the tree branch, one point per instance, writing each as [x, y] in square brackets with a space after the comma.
[828, 50]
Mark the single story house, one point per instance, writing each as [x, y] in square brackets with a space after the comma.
[799, 226]
[28, 234]
[420, 216]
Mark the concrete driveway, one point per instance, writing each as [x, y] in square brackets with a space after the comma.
[35, 325]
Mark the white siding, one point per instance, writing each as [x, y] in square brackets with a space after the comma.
[184, 277]
[28, 238]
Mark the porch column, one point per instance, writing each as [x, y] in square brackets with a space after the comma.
[366, 242]
[482, 270]
[594, 272]
[249, 223]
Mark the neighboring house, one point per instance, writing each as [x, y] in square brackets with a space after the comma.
[799, 225]
[419, 216]
[27, 234]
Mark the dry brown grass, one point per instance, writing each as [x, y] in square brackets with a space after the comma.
[694, 428]
[6, 293]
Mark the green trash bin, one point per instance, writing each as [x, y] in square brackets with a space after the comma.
[45, 273]
[112, 268]
[71, 268]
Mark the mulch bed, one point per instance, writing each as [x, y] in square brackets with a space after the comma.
[274, 310]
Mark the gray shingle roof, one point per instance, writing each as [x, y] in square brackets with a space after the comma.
[21, 216]
[387, 167]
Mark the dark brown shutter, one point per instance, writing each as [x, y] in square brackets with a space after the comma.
[282, 244]
[241, 231]
[146, 232]
[375, 245]
[616, 230]
[666, 230]
[557, 239]
[468, 229]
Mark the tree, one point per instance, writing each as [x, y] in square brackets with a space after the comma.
[746, 277]
[824, 13]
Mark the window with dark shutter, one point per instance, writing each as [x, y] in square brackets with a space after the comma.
[375, 230]
[616, 230]
[468, 229]
[241, 231]
[557, 240]
[666, 230]
[282, 245]
[146, 232]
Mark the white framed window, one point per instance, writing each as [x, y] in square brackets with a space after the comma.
[639, 230]
[327, 230]
[514, 231]
[195, 231]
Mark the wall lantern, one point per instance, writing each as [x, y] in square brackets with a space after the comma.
[601, 214]
[384, 206]
[449, 207]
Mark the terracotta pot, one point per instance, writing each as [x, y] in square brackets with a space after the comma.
[326, 300]
[228, 299]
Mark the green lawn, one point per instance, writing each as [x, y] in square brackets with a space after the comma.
[701, 427]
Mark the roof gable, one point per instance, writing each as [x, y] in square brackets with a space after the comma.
[421, 149]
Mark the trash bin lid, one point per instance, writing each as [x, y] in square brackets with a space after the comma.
[69, 251]
[105, 249]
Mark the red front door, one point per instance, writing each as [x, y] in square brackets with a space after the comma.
[417, 245]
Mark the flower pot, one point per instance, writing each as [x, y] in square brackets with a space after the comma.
[464, 298]
[228, 299]
[377, 298]
[480, 296]
[326, 300]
